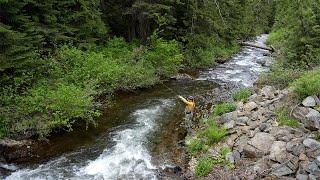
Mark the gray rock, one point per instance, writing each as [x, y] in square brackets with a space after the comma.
[309, 102]
[263, 126]
[230, 124]
[281, 170]
[316, 99]
[236, 155]
[262, 61]
[278, 151]
[268, 92]
[261, 167]
[248, 107]
[313, 152]
[281, 132]
[311, 143]
[231, 116]
[230, 158]
[295, 146]
[312, 177]
[300, 113]
[242, 120]
[262, 141]
[182, 77]
[317, 161]
[252, 152]
[313, 168]
[293, 164]
[302, 177]
[312, 120]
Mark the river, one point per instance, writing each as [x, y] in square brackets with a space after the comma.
[140, 134]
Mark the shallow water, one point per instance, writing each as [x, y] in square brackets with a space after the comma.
[139, 133]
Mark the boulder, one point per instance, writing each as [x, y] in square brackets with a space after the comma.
[268, 92]
[317, 161]
[300, 113]
[242, 120]
[248, 107]
[311, 143]
[295, 146]
[302, 177]
[252, 152]
[278, 151]
[230, 124]
[309, 102]
[281, 170]
[227, 117]
[316, 98]
[262, 141]
[312, 120]
[313, 168]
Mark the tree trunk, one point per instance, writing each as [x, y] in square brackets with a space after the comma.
[257, 46]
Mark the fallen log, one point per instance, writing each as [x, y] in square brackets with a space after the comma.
[257, 46]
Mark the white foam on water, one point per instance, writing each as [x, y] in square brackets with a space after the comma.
[129, 158]
[242, 68]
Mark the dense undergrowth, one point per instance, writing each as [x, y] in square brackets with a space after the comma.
[58, 57]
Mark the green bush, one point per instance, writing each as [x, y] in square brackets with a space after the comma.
[165, 57]
[280, 76]
[307, 85]
[223, 108]
[66, 92]
[242, 95]
[195, 146]
[283, 118]
[202, 50]
[213, 133]
[46, 108]
[204, 166]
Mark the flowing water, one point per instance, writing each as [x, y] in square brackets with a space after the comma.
[139, 135]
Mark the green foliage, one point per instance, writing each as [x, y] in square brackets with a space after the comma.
[204, 166]
[307, 85]
[296, 31]
[213, 133]
[224, 151]
[242, 95]
[223, 108]
[165, 56]
[283, 118]
[280, 76]
[195, 146]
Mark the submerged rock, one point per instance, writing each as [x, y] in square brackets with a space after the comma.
[182, 77]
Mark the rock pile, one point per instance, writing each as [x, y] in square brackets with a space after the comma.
[273, 151]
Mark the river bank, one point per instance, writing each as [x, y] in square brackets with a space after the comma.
[262, 142]
[158, 113]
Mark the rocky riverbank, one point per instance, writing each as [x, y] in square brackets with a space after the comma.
[264, 147]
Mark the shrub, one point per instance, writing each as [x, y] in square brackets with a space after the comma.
[283, 118]
[280, 76]
[204, 166]
[165, 57]
[213, 133]
[46, 108]
[242, 95]
[195, 146]
[223, 108]
[307, 85]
